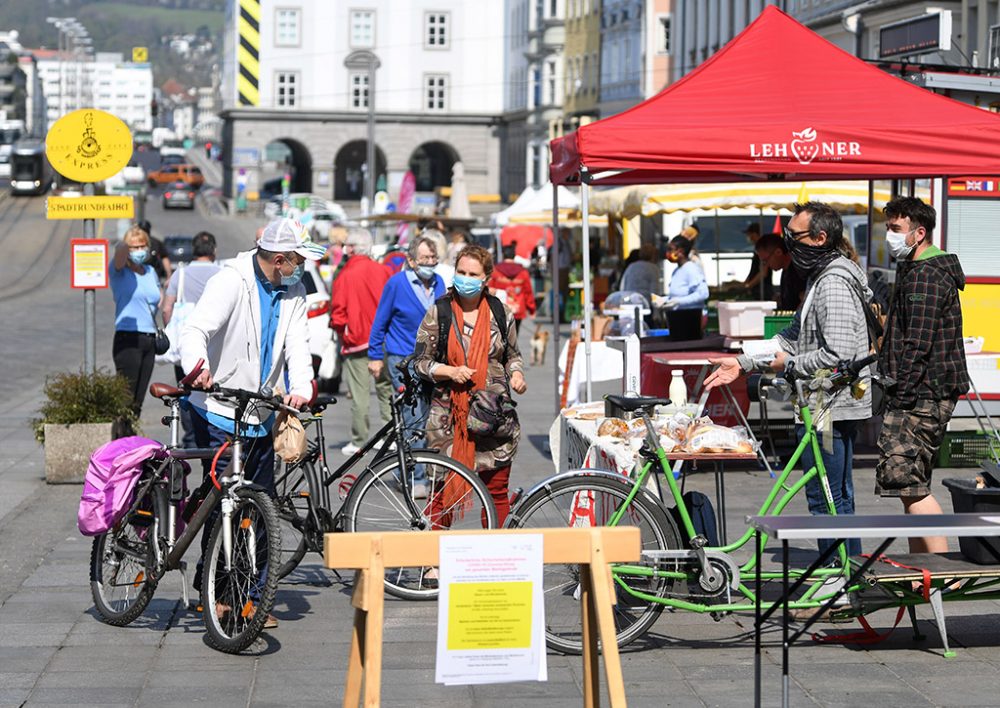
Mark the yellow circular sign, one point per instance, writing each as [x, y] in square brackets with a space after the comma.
[88, 145]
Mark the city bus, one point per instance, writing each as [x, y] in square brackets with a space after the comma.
[30, 172]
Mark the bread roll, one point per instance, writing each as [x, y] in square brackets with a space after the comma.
[615, 427]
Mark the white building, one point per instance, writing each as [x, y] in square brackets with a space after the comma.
[534, 61]
[438, 88]
[108, 83]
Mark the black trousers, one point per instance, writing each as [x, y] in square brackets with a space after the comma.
[134, 356]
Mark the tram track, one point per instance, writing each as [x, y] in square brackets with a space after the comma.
[45, 263]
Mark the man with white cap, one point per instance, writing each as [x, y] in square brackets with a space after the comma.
[250, 327]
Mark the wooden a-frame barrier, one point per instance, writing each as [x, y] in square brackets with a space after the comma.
[369, 554]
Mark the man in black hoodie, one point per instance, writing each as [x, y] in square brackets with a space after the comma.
[924, 352]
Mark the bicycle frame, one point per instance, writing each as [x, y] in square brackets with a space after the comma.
[777, 499]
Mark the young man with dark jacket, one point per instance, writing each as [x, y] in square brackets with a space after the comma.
[923, 351]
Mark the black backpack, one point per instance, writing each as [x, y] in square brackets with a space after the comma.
[443, 305]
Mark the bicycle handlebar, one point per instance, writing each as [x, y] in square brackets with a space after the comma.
[846, 373]
[243, 396]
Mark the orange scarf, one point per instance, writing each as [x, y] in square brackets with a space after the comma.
[463, 449]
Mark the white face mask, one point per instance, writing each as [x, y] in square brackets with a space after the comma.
[896, 242]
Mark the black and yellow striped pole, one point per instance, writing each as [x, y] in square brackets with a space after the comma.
[248, 53]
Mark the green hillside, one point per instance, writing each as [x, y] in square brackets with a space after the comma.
[119, 26]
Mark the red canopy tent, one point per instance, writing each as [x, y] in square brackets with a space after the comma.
[780, 102]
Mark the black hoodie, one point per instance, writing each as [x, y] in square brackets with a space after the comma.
[923, 348]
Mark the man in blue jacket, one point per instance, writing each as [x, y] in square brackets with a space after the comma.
[405, 300]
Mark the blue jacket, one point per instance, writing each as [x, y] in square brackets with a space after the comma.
[398, 317]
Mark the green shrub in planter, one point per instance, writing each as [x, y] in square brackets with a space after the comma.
[100, 397]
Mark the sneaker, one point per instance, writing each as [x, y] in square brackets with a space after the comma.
[349, 449]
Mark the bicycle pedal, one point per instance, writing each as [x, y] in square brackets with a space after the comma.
[303, 495]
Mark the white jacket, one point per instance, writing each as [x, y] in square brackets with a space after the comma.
[224, 330]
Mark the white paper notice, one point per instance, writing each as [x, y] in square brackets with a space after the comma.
[761, 350]
[491, 610]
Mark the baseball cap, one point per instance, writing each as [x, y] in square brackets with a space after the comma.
[284, 234]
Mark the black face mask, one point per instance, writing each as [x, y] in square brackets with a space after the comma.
[809, 260]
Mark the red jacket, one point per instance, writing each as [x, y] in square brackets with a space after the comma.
[356, 293]
[514, 279]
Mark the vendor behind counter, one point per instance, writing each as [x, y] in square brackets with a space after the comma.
[687, 294]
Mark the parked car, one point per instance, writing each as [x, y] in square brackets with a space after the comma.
[171, 148]
[179, 195]
[324, 344]
[189, 174]
[179, 248]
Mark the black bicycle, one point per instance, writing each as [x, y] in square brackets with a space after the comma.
[381, 496]
[240, 571]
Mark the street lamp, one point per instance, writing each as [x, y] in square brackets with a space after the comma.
[363, 60]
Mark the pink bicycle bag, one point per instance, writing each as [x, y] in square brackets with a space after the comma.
[111, 478]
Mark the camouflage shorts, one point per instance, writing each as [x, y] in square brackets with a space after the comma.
[908, 445]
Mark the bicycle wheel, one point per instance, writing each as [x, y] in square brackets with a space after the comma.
[292, 503]
[238, 596]
[588, 500]
[456, 499]
[120, 561]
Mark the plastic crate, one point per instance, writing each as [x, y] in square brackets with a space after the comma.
[966, 498]
[712, 322]
[775, 323]
[965, 448]
[744, 319]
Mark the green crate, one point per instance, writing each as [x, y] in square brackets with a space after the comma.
[966, 448]
[775, 323]
[712, 323]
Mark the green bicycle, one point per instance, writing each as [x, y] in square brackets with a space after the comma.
[699, 578]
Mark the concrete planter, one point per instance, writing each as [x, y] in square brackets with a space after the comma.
[68, 449]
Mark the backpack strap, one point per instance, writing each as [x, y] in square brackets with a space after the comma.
[443, 305]
[500, 317]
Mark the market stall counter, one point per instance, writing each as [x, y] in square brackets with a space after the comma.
[578, 440]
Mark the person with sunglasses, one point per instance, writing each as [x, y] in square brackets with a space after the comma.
[828, 328]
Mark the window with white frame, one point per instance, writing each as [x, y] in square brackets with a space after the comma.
[362, 29]
[663, 36]
[286, 89]
[551, 75]
[436, 92]
[287, 27]
[437, 33]
[358, 89]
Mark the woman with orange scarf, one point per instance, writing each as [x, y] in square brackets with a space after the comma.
[481, 359]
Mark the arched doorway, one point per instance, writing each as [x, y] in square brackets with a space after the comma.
[349, 175]
[431, 165]
[291, 156]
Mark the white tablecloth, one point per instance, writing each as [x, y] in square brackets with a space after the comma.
[575, 443]
[606, 364]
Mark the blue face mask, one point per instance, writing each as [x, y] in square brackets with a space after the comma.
[425, 272]
[295, 277]
[139, 257]
[469, 287]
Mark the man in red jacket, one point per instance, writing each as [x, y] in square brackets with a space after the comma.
[513, 279]
[356, 293]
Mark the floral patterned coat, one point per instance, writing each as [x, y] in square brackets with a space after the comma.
[490, 454]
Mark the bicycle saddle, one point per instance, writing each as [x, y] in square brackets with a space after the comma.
[634, 403]
[162, 390]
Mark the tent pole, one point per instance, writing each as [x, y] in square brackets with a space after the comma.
[587, 299]
[554, 292]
